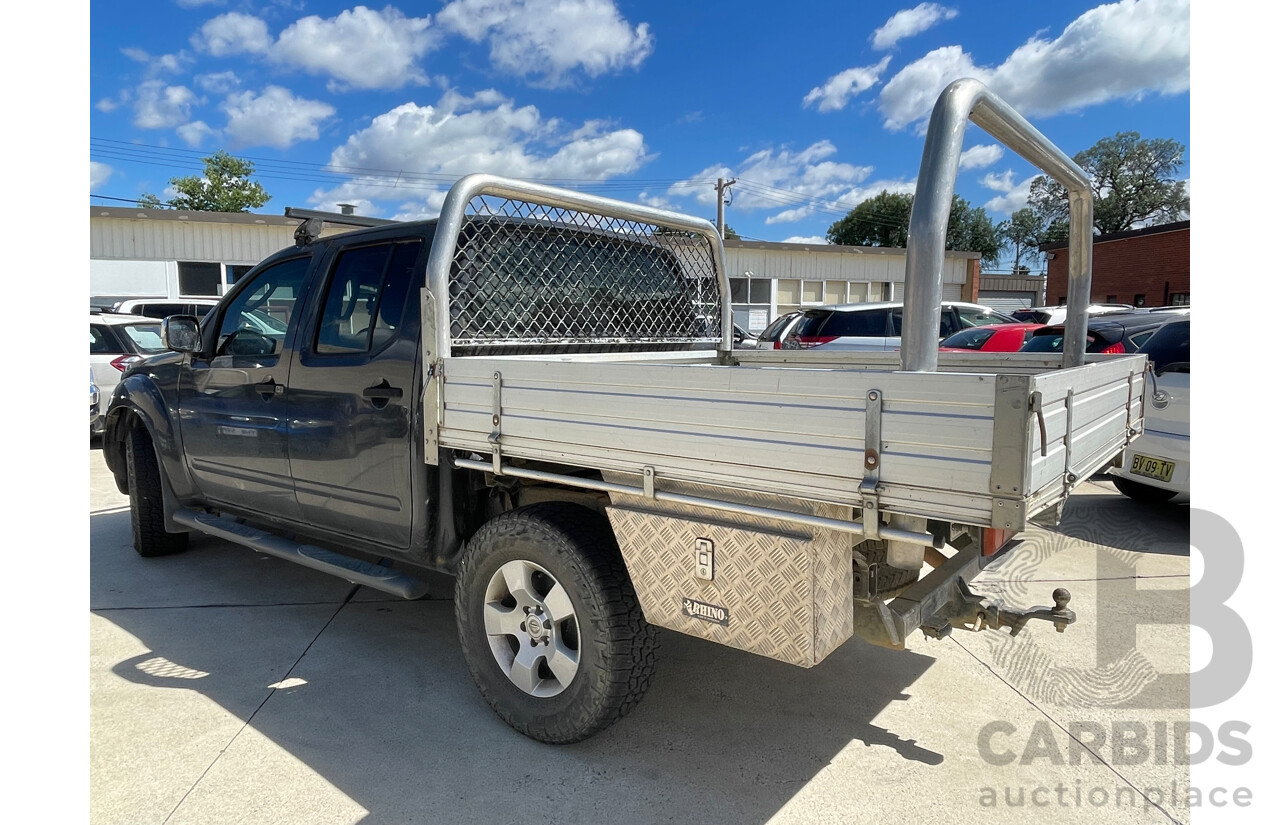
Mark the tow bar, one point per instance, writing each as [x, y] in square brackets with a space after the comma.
[943, 600]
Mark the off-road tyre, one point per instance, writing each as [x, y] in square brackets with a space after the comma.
[146, 501]
[887, 577]
[616, 647]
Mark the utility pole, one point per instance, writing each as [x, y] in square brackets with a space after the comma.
[721, 188]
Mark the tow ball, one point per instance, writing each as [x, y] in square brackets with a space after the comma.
[974, 612]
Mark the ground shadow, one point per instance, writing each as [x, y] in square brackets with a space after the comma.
[388, 714]
[1113, 520]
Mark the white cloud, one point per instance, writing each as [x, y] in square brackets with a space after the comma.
[164, 64]
[980, 157]
[233, 33]
[191, 4]
[909, 22]
[1013, 194]
[273, 118]
[1123, 50]
[360, 48]
[162, 107]
[483, 133]
[194, 133]
[548, 40]
[218, 83]
[836, 92]
[812, 240]
[98, 174]
[1000, 183]
[795, 184]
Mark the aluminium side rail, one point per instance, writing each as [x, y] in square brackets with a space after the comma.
[963, 100]
[453, 218]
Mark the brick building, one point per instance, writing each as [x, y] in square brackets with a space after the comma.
[1143, 267]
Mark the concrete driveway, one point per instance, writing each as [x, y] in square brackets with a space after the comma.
[228, 687]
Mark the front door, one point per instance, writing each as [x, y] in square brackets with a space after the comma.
[232, 405]
[352, 391]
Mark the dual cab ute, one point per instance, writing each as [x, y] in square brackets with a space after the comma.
[521, 394]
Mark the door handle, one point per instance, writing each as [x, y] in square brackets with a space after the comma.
[381, 393]
[268, 388]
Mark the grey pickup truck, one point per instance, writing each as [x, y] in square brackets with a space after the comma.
[524, 394]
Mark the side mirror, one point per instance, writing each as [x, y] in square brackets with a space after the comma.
[181, 333]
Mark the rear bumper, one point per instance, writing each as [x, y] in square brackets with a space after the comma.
[1165, 446]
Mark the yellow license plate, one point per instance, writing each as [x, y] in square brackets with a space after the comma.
[1148, 467]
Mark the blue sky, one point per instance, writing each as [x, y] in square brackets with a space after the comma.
[813, 107]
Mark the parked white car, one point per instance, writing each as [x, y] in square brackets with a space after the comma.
[1157, 465]
[153, 307]
[1058, 315]
[115, 342]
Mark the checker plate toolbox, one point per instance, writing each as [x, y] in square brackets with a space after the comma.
[769, 500]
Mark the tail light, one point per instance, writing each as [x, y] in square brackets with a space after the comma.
[1115, 349]
[125, 361]
[993, 540]
[811, 341]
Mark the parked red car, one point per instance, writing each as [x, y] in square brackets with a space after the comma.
[990, 338]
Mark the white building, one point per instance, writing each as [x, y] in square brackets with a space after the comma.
[171, 254]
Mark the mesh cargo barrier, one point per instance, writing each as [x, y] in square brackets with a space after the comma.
[526, 274]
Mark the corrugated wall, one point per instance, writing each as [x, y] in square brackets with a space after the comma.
[167, 240]
[836, 266]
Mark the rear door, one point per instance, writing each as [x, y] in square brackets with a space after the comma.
[232, 403]
[351, 394]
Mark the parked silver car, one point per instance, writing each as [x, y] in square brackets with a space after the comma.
[877, 326]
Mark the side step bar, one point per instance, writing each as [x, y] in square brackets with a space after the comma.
[356, 571]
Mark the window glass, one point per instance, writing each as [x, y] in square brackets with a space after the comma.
[395, 292]
[834, 292]
[969, 338]
[870, 323]
[197, 278]
[774, 329]
[144, 337]
[351, 300]
[1140, 338]
[1170, 345]
[760, 290]
[811, 292]
[857, 293]
[272, 293]
[738, 290]
[99, 340]
[237, 271]
[970, 317]
[946, 323]
[788, 291]
[365, 299]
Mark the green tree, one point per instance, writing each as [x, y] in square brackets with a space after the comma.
[1133, 182]
[1022, 233]
[878, 221]
[224, 187]
[729, 234]
[883, 221]
[970, 229]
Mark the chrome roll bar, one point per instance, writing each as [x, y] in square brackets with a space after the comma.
[965, 100]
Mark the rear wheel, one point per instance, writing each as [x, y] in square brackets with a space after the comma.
[550, 625]
[1142, 492]
[146, 501]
